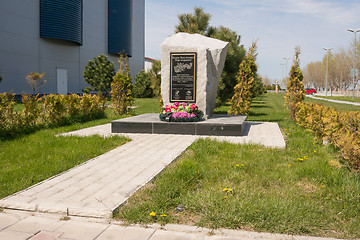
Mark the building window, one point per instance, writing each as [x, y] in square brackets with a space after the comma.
[119, 26]
[62, 19]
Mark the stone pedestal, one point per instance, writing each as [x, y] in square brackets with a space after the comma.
[191, 66]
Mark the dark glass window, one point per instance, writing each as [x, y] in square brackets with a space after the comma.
[119, 26]
[61, 19]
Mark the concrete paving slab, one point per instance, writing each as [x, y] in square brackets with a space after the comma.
[7, 220]
[115, 232]
[169, 235]
[11, 235]
[34, 224]
[81, 230]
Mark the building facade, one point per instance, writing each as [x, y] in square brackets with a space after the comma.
[59, 37]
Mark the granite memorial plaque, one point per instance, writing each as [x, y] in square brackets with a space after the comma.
[183, 67]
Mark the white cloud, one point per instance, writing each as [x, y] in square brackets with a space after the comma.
[279, 25]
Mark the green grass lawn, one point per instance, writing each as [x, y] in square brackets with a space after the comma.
[29, 159]
[341, 98]
[298, 190]
[338, 106]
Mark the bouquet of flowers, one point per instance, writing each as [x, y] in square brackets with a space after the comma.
[181, 112]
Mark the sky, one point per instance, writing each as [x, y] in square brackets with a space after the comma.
[278, 25]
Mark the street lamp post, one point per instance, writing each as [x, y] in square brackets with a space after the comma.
[282, 72]
[286, 58]
[354, 71]
[327, 68]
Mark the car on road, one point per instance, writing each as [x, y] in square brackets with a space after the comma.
[310, 91]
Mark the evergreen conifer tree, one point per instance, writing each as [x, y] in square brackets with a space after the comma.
[99, 73]
[295, 93]
[240, 102]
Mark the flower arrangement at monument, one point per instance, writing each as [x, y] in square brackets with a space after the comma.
[181, 112]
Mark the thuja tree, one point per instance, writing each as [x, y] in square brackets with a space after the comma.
[240, 102]
[121, 88]
[99, 73]
[295, 93]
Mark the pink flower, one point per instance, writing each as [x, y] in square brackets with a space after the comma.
[193, 115]
[176, 104]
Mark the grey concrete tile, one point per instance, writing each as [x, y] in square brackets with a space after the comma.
[34, 224]
[11, 235]
[115, 232]
[81, 230]
[169, 235]
[7, 220]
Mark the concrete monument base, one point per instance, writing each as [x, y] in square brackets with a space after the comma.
[216, 125]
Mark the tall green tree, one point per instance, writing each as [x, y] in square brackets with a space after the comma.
[295, 93]
[197, 22]
[142, 86]
[99, 73]
[240, 102]
[234, 57]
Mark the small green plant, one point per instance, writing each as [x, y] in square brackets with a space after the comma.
[36, 80]
[155, 78]
[295, 93]
[240, 102]
[121, 88]
[142, 86]
[99, 73]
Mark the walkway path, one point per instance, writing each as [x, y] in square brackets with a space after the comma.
[19, 225]
[335, 101]
[97, 187]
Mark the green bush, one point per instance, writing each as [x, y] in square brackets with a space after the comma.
[50, 110]
[341, 129]
[240, 102]
[295, 93]
[121, 88]
[142, 86]
[99, 73]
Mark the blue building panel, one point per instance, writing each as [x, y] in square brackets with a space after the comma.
[62, 19]
[119, 27]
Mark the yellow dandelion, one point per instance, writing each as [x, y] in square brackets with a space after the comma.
[225, 197]
[230, 190]
[285, 129]
[231, 195]
[288, 134]
[237, 165]
[289, 165]
[163, 215]
[322, 186]
[243, 165]
[314, 151]
[225, 189]
[153, 214]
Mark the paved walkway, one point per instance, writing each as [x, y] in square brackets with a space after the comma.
[19, 225]
[97, 187]
[335, 101]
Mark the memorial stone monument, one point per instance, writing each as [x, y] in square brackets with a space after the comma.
[191, 66]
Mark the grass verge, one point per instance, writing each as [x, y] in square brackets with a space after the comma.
[29, 159]
[338, 106]
[300, 190]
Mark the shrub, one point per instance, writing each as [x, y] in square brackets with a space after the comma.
[295, 93]
[155, 78]
[36, 80]
[142, 86]
[99, 73]
[341, 129]
[240, 102]
[56, 110]
[31, 111]
[121, 88]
